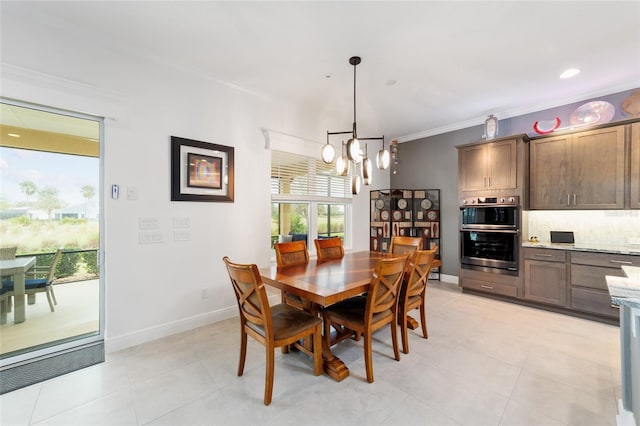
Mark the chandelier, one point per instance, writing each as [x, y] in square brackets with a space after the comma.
[352, 152]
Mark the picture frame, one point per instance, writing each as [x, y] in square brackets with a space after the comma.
[201, 171]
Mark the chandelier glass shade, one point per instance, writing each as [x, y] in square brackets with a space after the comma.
[355, 184]
[342, 163]
[367, 168]
[383, 159]
[328, 153]
[353, 150]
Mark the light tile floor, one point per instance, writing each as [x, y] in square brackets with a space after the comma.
[486, 362]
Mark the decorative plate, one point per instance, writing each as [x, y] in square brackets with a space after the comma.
[384, 215]
[402, 203]
[596, 112]
[397, 215]
[379, 204]
[542, 127]
[426, 204]
[432, 215]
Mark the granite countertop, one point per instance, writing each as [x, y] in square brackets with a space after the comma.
[632, 249]
[625, 290]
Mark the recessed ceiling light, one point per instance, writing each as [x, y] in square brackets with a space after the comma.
[571, 72]
[13, 135]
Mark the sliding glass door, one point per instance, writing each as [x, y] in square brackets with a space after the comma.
[50, 202]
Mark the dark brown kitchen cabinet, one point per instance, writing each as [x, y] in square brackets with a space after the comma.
[634, 196]
[488, 166]
[584, 170]
[545, 276]
[589, 291]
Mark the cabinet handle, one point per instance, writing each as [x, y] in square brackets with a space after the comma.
[489, 179]
[484, 181]
[574, 200]
[568, 200]
[621, 262]
[488, 287]
[543, 255]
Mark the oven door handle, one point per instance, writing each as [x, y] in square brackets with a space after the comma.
[502, 231]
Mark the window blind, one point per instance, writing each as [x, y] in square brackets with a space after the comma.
[294, 174]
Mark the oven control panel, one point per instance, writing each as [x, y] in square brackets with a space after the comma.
[506, 200]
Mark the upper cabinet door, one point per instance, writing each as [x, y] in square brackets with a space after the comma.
[472, 167]
[550, 167]
[488, 166]
[598, 169]
[501, 164]
[634, 196]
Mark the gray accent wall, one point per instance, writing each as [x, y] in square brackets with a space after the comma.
[432, 162]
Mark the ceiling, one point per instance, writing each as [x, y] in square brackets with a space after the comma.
[427, 66]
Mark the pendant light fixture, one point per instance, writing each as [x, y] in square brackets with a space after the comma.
[353, 147]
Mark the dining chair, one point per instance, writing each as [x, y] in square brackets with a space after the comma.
[329, 248]
[402, 245]
[272, 326]
[364, 315]
[289, 254]
[413, 292]
[39, 283]
[6, 253]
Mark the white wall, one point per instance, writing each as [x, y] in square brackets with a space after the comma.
[153, 290]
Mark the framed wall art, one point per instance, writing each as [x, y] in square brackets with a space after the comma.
[201, 171]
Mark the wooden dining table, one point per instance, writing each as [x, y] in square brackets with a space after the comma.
[323, 284]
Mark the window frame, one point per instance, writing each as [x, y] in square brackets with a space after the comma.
[312, 201]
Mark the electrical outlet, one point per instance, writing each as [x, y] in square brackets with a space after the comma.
[204, 293]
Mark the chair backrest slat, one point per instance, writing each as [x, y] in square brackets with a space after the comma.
[402, 245]
[329, 248]
[291, 253]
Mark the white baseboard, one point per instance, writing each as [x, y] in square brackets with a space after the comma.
[153, 333]
[451, 279]
[163, 330]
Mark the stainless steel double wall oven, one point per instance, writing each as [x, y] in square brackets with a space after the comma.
[490, 234]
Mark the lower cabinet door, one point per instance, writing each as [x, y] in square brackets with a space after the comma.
[545, 282]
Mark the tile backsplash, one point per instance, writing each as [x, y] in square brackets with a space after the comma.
[588, 226]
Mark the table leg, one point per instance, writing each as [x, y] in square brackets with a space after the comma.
[19, 299]
[4, 308]
[332, 365]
